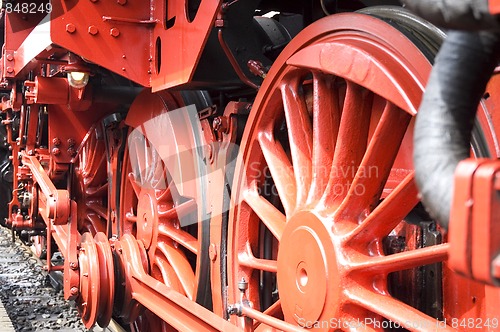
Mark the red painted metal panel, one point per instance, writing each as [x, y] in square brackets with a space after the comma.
[182, 43]
[114, 34]
[494, 6]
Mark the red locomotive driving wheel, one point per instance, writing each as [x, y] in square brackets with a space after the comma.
[325, 177]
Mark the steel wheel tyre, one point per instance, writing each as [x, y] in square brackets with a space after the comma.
[325, 175]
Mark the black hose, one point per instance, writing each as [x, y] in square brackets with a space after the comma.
[455, 14]
[446, 116]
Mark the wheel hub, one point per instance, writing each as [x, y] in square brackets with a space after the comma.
[145, 218]
[308, 274]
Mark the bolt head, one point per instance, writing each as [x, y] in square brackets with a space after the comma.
[93, 30]
[70, 28]
[72, 152]
[114, 32]
[56, 151]
[74, 291]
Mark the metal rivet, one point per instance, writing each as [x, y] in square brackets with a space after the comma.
[10, 57]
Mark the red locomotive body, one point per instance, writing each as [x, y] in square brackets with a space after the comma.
[212, 165]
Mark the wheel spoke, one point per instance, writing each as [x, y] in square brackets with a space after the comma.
[402, 261]
[149, 163]
[186, 208]
[93, 167]
[86, 159]
[246, 258]
[98, 191]
[140, 162]
[99, 209]
[129, 216]
[281, 171]
[96, 222]
[274, 310]
[159, 176]
[181, 237]
[168, 275]
[376, 165]
[164, 194]
[299, 135]
[135, 186]
[389, 213]
[181, 267]
[177, 212]
[351, 142]
[395, 310]
[326, 122]
[271, 217]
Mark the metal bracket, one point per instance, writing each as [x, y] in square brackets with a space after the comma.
[54, 204]
[474, 233]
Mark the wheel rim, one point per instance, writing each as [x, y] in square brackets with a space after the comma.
[151, 211]
[338, 104]
[107, 278]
